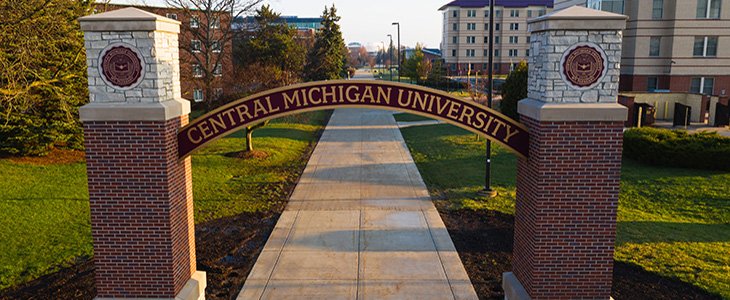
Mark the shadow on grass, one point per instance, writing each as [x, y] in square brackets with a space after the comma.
[656, 232]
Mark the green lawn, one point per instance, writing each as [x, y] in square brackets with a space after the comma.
[675, 222]
[44, 210]
[406, 117]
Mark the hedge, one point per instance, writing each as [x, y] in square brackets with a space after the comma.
[677, 148]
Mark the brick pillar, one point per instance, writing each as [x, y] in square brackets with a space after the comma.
[140, 192]
[567, 189]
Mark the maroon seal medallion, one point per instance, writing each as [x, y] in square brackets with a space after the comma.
[583, 66]
[121, 66]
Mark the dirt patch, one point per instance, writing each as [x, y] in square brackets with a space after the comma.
[484, 242]
[56, 156]
[253, 154]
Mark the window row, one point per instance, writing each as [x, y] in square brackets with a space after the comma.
[198, 70]
[196, 46]
[510, 52]
[513, 13]
[195, 21]
[472, 40]
[704, 46]
[473, 26]
[199, 95]
[698, 85]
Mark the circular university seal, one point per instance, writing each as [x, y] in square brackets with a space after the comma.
[583, 66]
[121, 66]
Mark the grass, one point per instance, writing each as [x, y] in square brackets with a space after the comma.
[406, 117]
[44, 209]
[674, 222]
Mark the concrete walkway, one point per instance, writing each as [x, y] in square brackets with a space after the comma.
[360, 224]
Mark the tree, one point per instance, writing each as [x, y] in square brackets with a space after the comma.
[214, 32]
[327, 57]
[417, 67]
[514, 90]
[437, 76]
[270, 58]
[42, 75]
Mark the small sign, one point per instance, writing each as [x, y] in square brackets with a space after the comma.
[583, 66]
[121, 66]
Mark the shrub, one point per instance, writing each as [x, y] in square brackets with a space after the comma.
[677, 148]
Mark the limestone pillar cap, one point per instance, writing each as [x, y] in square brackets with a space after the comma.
[578, 18]
[546, 111]
[128, 19]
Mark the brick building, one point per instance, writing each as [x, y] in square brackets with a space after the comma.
[465, 35]
[193, 48]
[676, 45]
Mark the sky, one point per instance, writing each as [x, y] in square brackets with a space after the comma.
[367, 21]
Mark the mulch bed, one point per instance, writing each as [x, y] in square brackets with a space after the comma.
[484, 242]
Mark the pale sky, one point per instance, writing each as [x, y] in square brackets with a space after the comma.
[367, 21]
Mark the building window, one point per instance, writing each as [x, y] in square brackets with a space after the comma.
[529, 13]
[514, 26]
[454, 40]
[527, 52]
[497, 13]
[198, 95]
[705, 46]
[512, 52]
[497, 67]
[215, 46]
[652, 84]
[171, 16]
[542, 12]
[471, 39]
[194, 22]
[702, 85]
[528, 39]
[218, 70]
[197, 71]
[708, 9]
[496, 39]
[514, 13]
[486, 53]
[514, 39]
[496, 27]
[655, 45]
[195, 45]
[471, 26]
[470, 52]
[471, 13]
[453, 52]
[455, 27]
[614, 6]
[455, 13]
[657, 11]
[218, 92]
[216, 23]
[496, 52]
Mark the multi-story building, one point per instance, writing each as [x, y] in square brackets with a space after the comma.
[465, 46]
[191, 46]
[674, 45]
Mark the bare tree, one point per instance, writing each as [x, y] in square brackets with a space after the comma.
[207, 37]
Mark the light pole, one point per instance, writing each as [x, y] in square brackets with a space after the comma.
[398, 24]
[490, 85]
[382, 57]
[390, 67]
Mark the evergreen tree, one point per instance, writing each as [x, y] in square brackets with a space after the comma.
[417, 67]
[42, 75]
[327, 57]
[514, 90]
[437, 76]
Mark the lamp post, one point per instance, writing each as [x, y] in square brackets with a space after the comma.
[399, 73]
[390, 68]
[490, 85]
[382, 57]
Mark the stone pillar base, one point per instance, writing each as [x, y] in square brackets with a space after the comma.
[513, 289]
[194, 289]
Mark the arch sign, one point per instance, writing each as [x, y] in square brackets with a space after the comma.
[332, 94]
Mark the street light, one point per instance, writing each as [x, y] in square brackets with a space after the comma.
[390, 68]
[382, 58]
[399, 73]
[490, 85]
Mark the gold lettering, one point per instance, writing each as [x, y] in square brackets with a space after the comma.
[382, 95]
[453, 108]
[305, 100]
[467, 113]
[479, 117]
[368, 93]
[243, 110]
[349, 94]
[332, 94]
[400, 99]
[440, 108]
[496, 127]
[203, 127]
[190, 136]
[258, 108]
[400, 96]
[489, 123]
[271, 108]
[342, 96]
[229, 114]
[311, 98]
[216, 124]
[417, 99]
[510, 133]
[290, 100]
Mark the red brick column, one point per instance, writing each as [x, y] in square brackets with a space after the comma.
[141, 208]
[565, 220]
